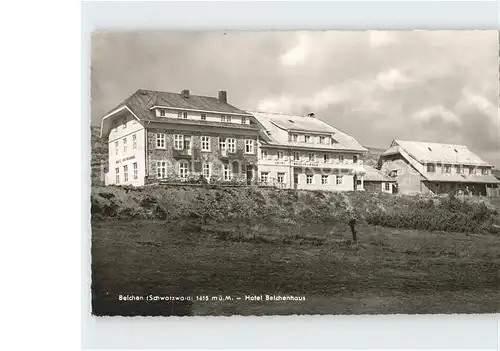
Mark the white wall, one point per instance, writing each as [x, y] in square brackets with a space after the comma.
[131, 155]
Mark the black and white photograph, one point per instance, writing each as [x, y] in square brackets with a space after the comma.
[261, 173]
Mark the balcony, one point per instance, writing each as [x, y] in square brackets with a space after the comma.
[182, 153]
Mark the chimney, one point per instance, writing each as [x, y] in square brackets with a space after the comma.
[311, 114]
[185, 93]
[222, 97]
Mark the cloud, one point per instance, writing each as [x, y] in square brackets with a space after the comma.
[381, 39]
[392, 79]
[299, 53]
[436, 113]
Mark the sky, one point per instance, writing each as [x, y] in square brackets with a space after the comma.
[434, 86]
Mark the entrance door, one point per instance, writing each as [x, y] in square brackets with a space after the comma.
[249, 174]
[295, 180]
[355, 181]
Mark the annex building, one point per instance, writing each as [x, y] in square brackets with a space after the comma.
[421, 167]
[304, 152]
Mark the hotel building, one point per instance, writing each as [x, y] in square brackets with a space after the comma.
[154, 136]
[304, 152]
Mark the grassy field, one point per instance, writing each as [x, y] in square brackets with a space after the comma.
[388, 271]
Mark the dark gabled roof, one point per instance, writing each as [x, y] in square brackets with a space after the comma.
[142, 100]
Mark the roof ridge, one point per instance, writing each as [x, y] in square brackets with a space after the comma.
[433, 143]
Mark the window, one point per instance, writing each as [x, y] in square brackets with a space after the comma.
[249, 146]
[325, 158]
[308, 138]
[263, 153]
[387, 186]
[231, 145]
[393, 174]
[222, 144]
[117, 172]
[355, 159]
[280, 155]
[203, 116]
[179, 114]
[125, 173]
[459, 169]
[324, 179]
[223, 118]
[206, 170]
[134, 141]
[321, 139]
[187, 142]
[160, 140]
[116, 148]
[205, 143]
[124, 145]
[327, 140]
[243, 120]
[228, 118]
[295, 138]
[161, 169]
[471, 170]
[431, 168]
[485, 171]
[264, 177]
[183, 169]
[162, 112]
[184, 115]
[135, 170]
[339, 180]
[124, 122]
[447, 169]
[341, 158]
[296, 156]
[310, 156]
[281, 177]
[227, 172]
[309, 179]
[178, 141]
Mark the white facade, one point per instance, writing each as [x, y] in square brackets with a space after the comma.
[126, 150]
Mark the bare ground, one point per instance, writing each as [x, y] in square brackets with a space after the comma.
[389, 271]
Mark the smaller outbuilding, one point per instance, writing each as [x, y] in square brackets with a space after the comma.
[376, 181]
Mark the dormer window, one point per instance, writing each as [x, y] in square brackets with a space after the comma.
[308, 138]
[185, 115]
[295, 138]
[203, 116]
[162, 112]
[431, 168]
[321, 139]
[179, 114]
[485, 171]
[243, 120]
[228, 118]
[223, 118]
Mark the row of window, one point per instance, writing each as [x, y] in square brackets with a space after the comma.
[123, 123]
[183, 142]
[125, 144]
[280, 178]
[459, 169]
[304, 138]
[125, 173]
[203, 116]
[296, 156]
[183, 170]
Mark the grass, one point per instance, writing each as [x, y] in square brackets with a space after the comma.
[388, 271]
